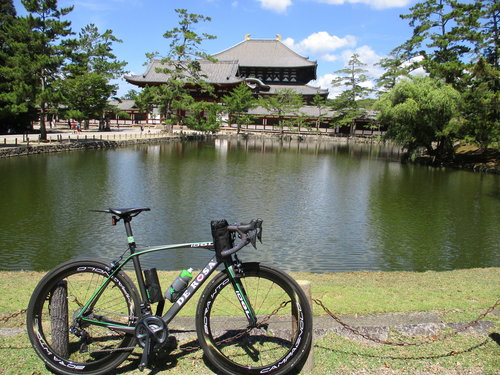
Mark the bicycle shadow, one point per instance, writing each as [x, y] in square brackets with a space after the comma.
[170, 356]
[167, 358]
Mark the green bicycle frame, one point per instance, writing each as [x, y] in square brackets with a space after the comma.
[192, 288]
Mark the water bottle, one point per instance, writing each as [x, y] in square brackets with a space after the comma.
[179, 285]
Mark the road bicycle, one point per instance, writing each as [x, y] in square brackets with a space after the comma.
[87, 316]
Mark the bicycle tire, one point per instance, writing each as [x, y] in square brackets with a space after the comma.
[92, 349]
[282, 339]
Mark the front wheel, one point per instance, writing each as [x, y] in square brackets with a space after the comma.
[280, 339]
[73, 335]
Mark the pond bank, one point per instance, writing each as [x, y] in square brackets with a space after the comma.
[468, 158]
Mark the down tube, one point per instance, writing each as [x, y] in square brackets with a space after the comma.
[192, 289]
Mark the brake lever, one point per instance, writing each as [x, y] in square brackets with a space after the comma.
[253, 239]
[259, 229]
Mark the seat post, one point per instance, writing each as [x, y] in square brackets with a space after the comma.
[130, 236]
[137, 264]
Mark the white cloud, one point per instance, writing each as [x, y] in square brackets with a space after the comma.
[366, 55]
[321, 43]
[377, 4]
[325, 82]
[278, 6]
[329, 57]
[324, 42]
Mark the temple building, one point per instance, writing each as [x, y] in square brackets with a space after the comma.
[265, 65]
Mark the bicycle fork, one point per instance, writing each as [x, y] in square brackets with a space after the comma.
[241, 294]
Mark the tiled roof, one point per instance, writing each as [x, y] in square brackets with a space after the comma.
[307, 110]
[264, 53]
[299, 89]
[218, 72]
[124, 104]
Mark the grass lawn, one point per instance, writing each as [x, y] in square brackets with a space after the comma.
[456, 296]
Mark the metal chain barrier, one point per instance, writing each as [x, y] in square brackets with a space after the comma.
[424, 342]
[5, 319]
[355, 331]
[241, 334]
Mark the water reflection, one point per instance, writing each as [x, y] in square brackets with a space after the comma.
[326, 206]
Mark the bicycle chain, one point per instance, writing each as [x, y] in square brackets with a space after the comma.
[391, 343]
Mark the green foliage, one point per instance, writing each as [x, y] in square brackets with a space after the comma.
[237, 104]
[457, 42]
[181, 65]
[487, 42]
[480, 110]
[419, 112]
[47, 51]
[321, 103]
[87, 87]
[439, 39]
[17, 79]
[395, 68]
[87, 94]
[204, 116]
[283, 103]
[346, 105]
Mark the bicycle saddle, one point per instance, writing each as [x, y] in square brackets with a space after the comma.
[124, 212]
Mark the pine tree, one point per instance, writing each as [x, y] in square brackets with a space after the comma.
[237, 103]
[439, 42]
[17, 77]
[48, 51]
[181, 65]
[351, 79]
[285, 103]
[87, 87]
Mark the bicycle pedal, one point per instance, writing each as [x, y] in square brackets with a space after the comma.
[170, 343]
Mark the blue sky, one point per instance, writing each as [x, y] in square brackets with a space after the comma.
[326, 31]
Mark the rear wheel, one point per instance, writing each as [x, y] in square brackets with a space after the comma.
[277, 343]
[70, 342]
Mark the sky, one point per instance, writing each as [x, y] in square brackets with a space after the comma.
[325, 31]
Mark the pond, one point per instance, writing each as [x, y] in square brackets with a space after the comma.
[327, 207]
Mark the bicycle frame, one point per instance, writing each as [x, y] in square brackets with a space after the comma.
[192, 288]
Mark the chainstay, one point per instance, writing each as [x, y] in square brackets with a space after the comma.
[391, 343]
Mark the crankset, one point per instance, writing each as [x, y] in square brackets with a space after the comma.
[151, 333]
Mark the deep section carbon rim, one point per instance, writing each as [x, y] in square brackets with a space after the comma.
[71, 342]
[281, 336]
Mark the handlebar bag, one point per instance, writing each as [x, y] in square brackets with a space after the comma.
[222, 238]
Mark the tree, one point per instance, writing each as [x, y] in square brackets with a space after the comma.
[88, 85]
[351, 78]
[421, 113]
[237, 103]
[480, 109]
[47, 50]
[87, 96]
[395, 69]
[284, 103]
[321, 104]
[440, 40]
[181, 65]
[204, 116]
[488, 42]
